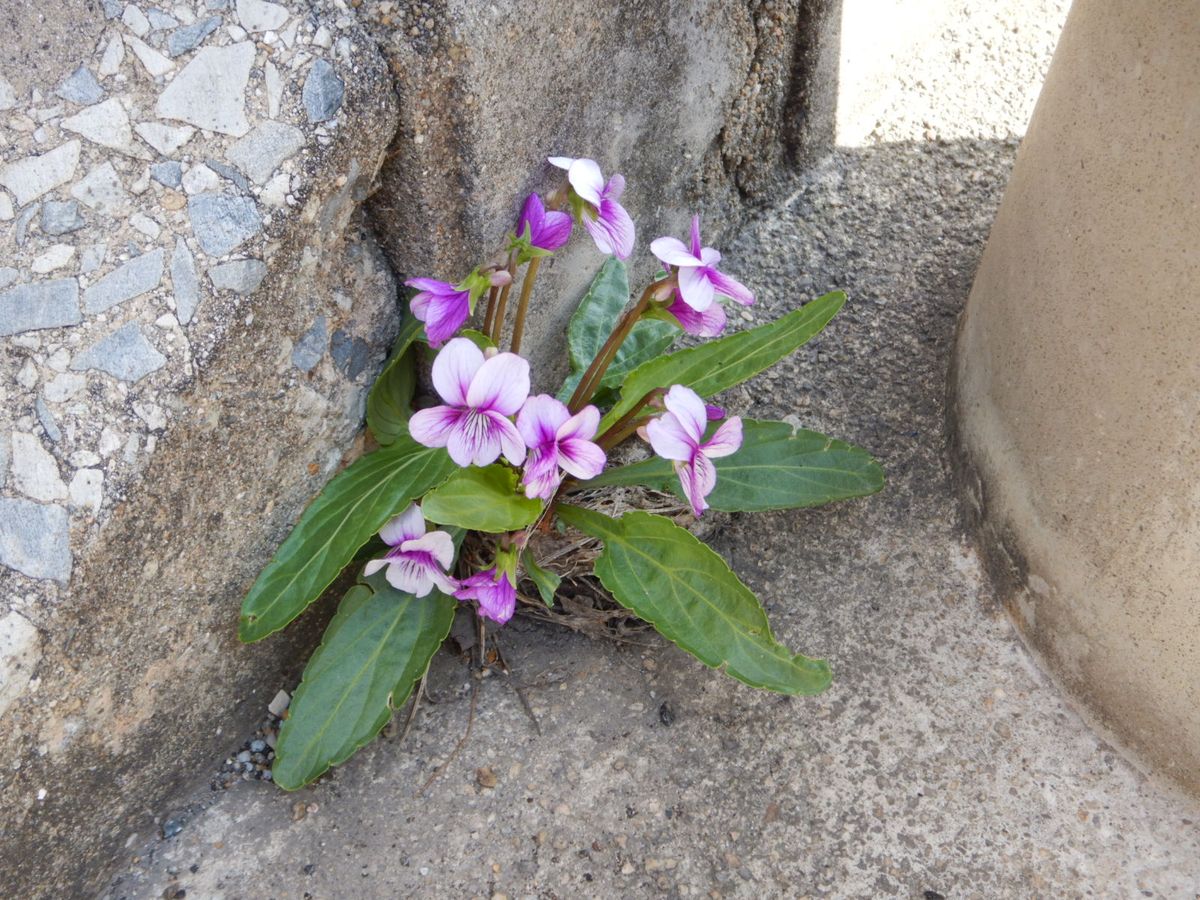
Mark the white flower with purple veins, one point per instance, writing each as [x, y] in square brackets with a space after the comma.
[604, 218]
[557, 441]
[678, 435]
[699, 281]
[417, 561]
[480, 395]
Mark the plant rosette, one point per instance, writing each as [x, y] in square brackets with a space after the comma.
[507, 470]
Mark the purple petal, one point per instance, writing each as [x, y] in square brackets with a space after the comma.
[444, 315]
[697, 481]
[540, 418]
[672, 252]
[587, 179]
[581, 425]
[510, 439]
[713, 412]
[695, 288]
[410, 576]
[725, 440]
[615, 188]
[541, 477]
[443, 582]
[532, 214]
[669, 439]
[709, 323]
[581, 458]
[730, 287]
[501, 384]
[612, 230]
[555, 231]
[697, 250]
[437, 545]
[433, 427]
[688, 408]
[454, 369]
[500, 602]
[431, 285]
[404, 527]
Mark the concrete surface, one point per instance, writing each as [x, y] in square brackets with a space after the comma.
[1078, 385]
[942, 763]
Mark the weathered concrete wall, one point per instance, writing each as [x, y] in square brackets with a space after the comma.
[1077, 379]
[190, 318]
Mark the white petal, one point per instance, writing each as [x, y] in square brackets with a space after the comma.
[587, 179]
[454, 368]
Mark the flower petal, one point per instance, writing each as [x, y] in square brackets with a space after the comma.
[669, 439]
[689, 409]
[540, 418]
[374, 566]
[697, 481]
[562, 162]
[672, 252]
[620, 227]
[541, 476]
[615, 187]
[697, 249]
[695, 288]
[432, 427]
[709, 256]
[437, 544]
[587, 179]
[454, 369]
[730, 287]
[555, 231]
[410, 576]
[709, 323]
[443, 582]
[473, 441]
[500, 384]
[444, 315]
[725, 440]
[532, 214]
[581, 458]
[431, 285]
[404, 527]
[581, 425]
[510, 439]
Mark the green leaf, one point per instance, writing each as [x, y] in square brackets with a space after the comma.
[720, 364]
[375, 650]
[689, 594]
[478, 338]
[481, 499]
[777, 467]
[389, 404]
[544, 580]
[352, 507]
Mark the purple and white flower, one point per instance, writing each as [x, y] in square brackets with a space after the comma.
[495, 593]
[548, 231]
[678, 435]
[710, 323]
[474, 424]
[604, 218]
[699, 281]
[557, 442]
[417, 560]
[442, 306]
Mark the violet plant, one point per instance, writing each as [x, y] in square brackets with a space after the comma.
[492, 460]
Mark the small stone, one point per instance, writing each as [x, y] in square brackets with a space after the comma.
[54, 258]
[323, 38]
[171, 828]
[299, 811]
[153, 61]
[485, 777]
[274, 87]
[145, 225]
[168, 174]
[279, 704]
[311, 346]
[34, 469]
[242, 276]
[106, 124]
[27, 377]
[185, 281]
[81, 87]
[259, 15]
[136, 21]
[63, 387]
[87, 489]
[42, 304]
[139, 275]
[264, 149]
[323, 91]
[101, 190]
[189, 36]
[276, 191]
[46, 420]
[350, 354]
[114, 55]
[6, 207]
[8, 96]
[173, 200]
[35, 539]
[200, 179]
[124, 354]
[210, 91]
[61, 217]
[84, 459]
[20, 650]
[7, 276]
[92, 258]
[59, 359]
[229, 174]
[258, 746]
[244, 756]
[166, 139]
[152, 414]
[223, 222]
[33, 176]
[161, 21]
[112, 8]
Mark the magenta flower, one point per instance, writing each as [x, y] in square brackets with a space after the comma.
[557, 440]
[709, 323]
[496, 595]
[604, 218]
[416, 561]
[441, 306]
[699, 280]
[678, 435]
[547, 231]
[480, 396]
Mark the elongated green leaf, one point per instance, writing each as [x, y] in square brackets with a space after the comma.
[689, 594]
[389, 404]
[375, 650]
[544, 580]
[720, 364]
[481, 499]
[777, 467]
[352, 507]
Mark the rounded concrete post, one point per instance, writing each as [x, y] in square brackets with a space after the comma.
[1076, 383]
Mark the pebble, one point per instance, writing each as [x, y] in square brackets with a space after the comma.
[154, 62]
[166, 139]
[279, 704]
[244, 756]
[87, 489]
[61, 217]
[124, 354]
[8, 96]
[21, 226]
[136, 21]
[55, 257]
[63, 387]
[33, 176]
[7, 276]
[229, 174]
[258, 746]
[223, 222]
[274, 87]
[168, 174]
[210, 91]
[106, 124]
[145, 225]
[171, 828]
[259, 15]
[200, 179]
[81, 87]
[161, 21]
[139, 275]
[185, 280]
[34, 469]
[101, 190]
[242, 276]
[35, 539]
[264, 149]
[6, 207]
[92, 257]
[114, 55]
[350, 354]
[311, 346]
[112, 8]
[323, 91]
[189, 36]
[43, 304]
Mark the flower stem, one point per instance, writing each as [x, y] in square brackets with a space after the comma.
[490, 311]
[497, 328]
[591, 378]
[626, 425]
[523, 303]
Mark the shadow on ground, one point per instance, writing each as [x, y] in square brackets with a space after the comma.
[941, 763]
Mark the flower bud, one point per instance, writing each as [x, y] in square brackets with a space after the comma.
[500, 278]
